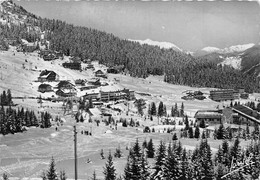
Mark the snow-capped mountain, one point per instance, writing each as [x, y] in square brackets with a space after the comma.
[237, 48]
[11, 13]
[211, 49]
[165, 45]
[227, 50]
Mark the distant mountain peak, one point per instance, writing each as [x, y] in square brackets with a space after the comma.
[210, 49]
[227, 50]
[165, 45]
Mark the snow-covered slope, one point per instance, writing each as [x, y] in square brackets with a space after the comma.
[166, 45]
[234, 62]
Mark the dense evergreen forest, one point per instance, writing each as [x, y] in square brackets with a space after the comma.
[138, 60]
[13, 120]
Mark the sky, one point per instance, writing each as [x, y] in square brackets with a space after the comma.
[189, 25]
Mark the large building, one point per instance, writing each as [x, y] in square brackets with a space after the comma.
[47, 75]
[222, 95]
[209, 116]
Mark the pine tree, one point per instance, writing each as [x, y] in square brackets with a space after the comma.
[102, 154]
[63, 175]
[90, 102]
[159, 161]
[174, 137]
[172, 112]
[182, 110]
[206, 161]
[127, 170]
[51, 173]
[226, 154]
[145, 144]
[186, 122]
[118, 152]
[150, 149]
[164, 110]
[190, 132]
[149, 110]
[153, 109]
[9, 97]
[171, 166]
[144, 167]
[184, 166]
[136, 160]
[160, 109]
[109, 170]
[248, 131]
[221, 132]
[220, 171]
[176, 112]
[94, 176]
[197, 132]
[202, 123]
[235, 150]
[81, 119]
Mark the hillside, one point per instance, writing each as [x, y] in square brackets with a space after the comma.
[139, 60]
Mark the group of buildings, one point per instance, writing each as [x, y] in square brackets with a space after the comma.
[239, 114]
[67, 89]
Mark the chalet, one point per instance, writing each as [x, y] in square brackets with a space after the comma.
[49, 57]
[115, 69]
[80, 82]
[209, 116]
[72, 65]
[90, 66]
[66, 92]
[100, 73]
[48, 76]
[222, 95]
[65, 85]
[94, 81]
[44, 88]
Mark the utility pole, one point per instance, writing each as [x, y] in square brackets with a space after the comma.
[75, 152]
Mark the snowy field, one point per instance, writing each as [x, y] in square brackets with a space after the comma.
[28, 154]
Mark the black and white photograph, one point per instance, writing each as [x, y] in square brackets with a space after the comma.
[129, 90]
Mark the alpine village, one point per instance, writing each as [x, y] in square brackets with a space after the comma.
[79, 103]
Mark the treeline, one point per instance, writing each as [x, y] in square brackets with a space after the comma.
[172, 161]
[162, 110]
[6, 98]
[210, 74]
[138, 60]
[14, 121]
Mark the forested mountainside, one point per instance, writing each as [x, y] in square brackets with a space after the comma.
[138, 60]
